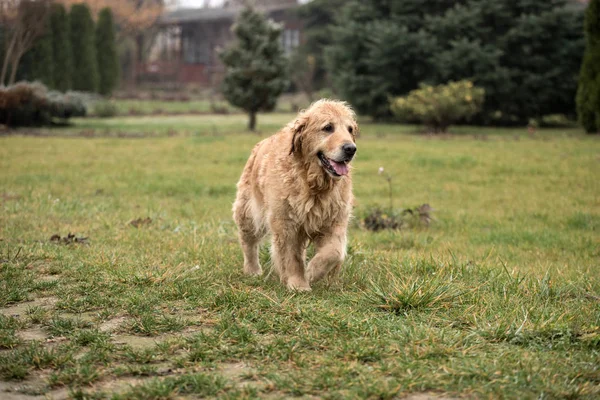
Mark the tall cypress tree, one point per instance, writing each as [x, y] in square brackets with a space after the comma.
[61, 46]
[106, 48]
[588, 91]
[83, 45]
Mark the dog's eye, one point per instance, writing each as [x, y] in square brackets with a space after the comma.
[328, 128]
[350, 129]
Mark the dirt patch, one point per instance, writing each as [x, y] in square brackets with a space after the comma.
[20, 310]
[87, 316]
[427, 396]
[112, 325]
[141, 342]
[239, 372]
[136, 342]
[32, 388]
[32, 334]
[116, 385]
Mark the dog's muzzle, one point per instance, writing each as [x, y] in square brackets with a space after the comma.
[349, 149]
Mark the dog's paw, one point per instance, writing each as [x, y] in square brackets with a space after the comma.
[256, 271]
[298, 284]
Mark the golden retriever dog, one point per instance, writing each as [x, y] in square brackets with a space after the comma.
[297, 186]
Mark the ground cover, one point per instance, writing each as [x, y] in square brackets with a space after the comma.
[498, 297]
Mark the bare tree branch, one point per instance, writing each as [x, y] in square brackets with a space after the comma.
[24, 21]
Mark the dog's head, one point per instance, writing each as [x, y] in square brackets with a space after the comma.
[325, 133]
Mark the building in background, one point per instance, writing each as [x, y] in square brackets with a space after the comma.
[187, 45]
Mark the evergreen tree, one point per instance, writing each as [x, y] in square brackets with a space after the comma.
[318, 17]
[61, 46]
[256, 65]
[106, 49]
[380, 49]
[83, 45]
[588, 91]
[524, 53]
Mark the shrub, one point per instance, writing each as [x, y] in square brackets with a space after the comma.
[27, 104]
[557, 121]
[66, 105]
[440, 106]
[105, 109]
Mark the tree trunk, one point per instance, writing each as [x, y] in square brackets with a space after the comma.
[14, 67]
[7, 57]
[252, 121]
[4, 69]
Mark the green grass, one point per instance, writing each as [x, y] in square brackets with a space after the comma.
[287, 103]
[498, 297]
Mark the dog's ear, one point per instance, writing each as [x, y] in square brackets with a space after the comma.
[297, 129]
[355, 131]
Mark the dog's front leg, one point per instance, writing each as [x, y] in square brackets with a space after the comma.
[288, 251]
[330, 251]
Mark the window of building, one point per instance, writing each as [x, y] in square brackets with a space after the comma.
[290, 40]
[196, 49]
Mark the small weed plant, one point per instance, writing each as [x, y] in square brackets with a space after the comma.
[377, 218]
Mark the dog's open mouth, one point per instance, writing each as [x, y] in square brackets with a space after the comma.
[335, 168]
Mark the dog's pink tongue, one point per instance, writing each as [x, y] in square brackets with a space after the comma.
[340, 168]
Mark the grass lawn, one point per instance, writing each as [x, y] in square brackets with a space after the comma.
[498, 297]
[287, 103]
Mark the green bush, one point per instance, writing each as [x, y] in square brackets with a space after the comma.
[557, 121]
[105, 109]
[438, 107]
[30, 104]
[66, 105]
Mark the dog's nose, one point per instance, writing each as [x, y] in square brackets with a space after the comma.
[349, 149]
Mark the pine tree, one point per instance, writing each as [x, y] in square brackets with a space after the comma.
[381, 49]
[83, 45]
[106, 48]
[61, 46]
[256, 65]
[317, 17]
[588, 91]
[524, 53]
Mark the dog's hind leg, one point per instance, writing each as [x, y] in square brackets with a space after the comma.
[329, 256]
